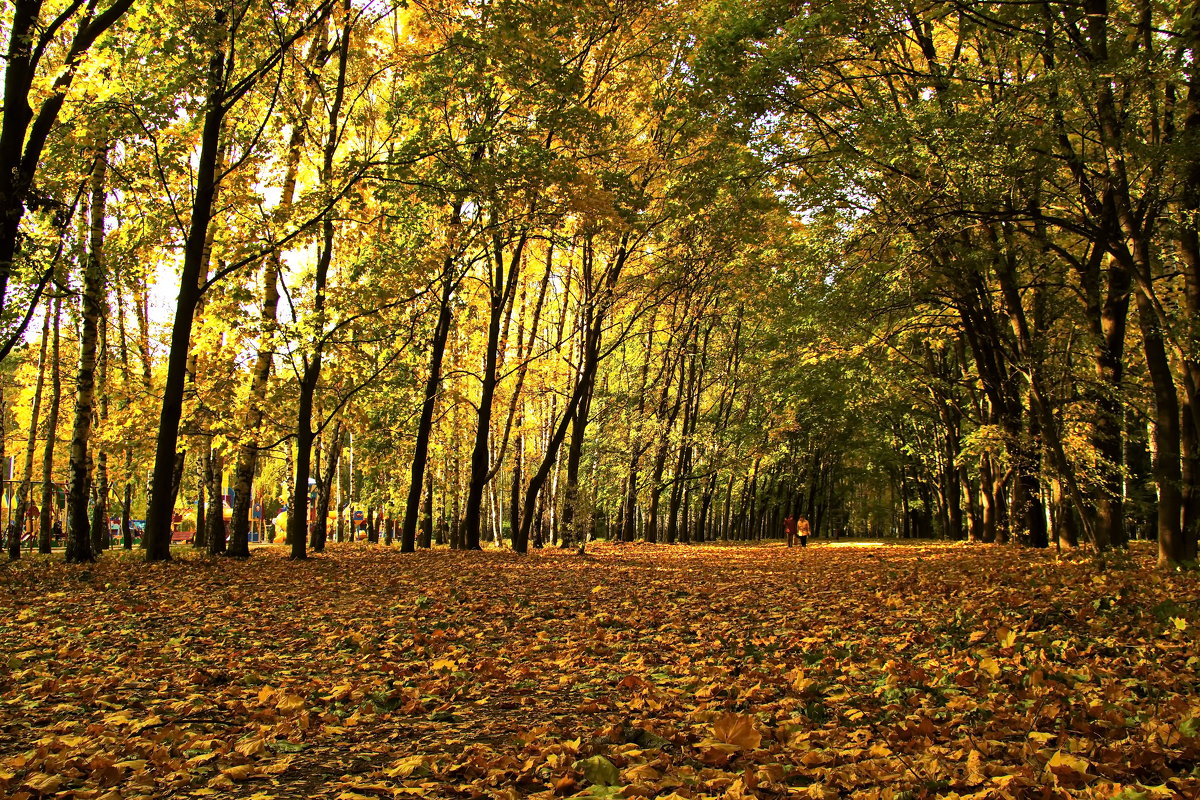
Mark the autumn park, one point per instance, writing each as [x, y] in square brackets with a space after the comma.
[691, 400]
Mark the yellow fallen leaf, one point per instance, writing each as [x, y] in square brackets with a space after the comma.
[239, 772]
[443, 664]
[642, 773]
[221, 782]
[814, 758]
[1180, 623]
[44, 783]
[819, 791]
[1068, 761]
[737, 730]
[975, 773]
[406, 767]
[1005, 637]
[290, 704]
[339, 692]
[280, 765]
[990, 666]
[803, 685]
[196, 761]
[251, 747]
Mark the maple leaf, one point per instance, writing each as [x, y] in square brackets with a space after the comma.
[737, 730]
[975, 772]
[598, 771]
[239, 772]
[251, 747]
[290, 704]
[44, 783]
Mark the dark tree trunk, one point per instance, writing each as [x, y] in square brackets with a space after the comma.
[425, 530]
[599, 300]
[1189, 256]
[298, 514]
[219, 100]
[1108, 335]
[433, 381]
[101, 537]
[157, 539]
[311, 375]
[247, 453]
[1167, 473]
[204, 476]
[214, 534]
[333, 457]
[503, 284]
[126, 512]
[571, 531]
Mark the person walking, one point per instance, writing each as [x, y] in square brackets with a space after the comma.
[789, 530]
[802, 528]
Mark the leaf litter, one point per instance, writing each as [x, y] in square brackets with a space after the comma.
[893, 672]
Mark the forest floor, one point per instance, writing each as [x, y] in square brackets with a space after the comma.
[840, 670]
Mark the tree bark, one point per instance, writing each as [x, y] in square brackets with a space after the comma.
[1171, 547]
[79, 543]
[101, 537]
[503, 285]
[161, 504]
[320, 531]
[433, 381]
[312, 366]
[247, 454]
[14, 544]
[214, 534]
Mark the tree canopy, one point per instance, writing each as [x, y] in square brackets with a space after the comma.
[534, 272]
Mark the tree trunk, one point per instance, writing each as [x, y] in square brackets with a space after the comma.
[425, 540]
[214, 535]
[503, 284]
[579, 421]
[1108, 334]
[1167, 474]
[1189, 256]
[591, 355]
[101, 537]
[320, 531]
[161, 505]
[433, 381]
[204, 478]
[14, 543]
[79, 544]
[247, 456]
[312, 366]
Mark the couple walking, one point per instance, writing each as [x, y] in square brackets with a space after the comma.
[796, 529]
